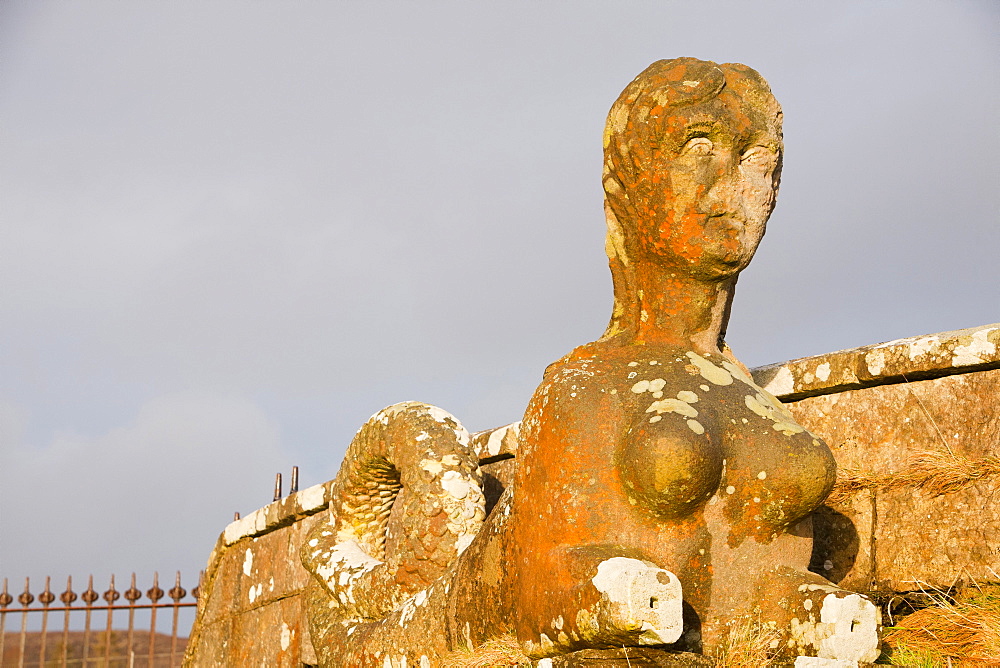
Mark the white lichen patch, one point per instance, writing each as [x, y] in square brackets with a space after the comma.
[823, 371]
[875, 361]
[695, 426]
[641, 386]
[669, 405]
[687, 396]
[642, 598]
[432, 466]
[248, 562]
[455, 484]
[921, 346]
[769, 408]
[737, 373]
[342, 566]
[708, 370]
[975, 352]
[286, 637]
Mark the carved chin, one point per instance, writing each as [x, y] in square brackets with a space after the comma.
[724, 264]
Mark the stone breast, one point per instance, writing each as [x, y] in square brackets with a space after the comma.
[666, 469]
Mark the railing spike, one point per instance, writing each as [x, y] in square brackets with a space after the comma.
[90, 595]
[27, 598]
[68, 596]
[46, 597]
[132, 594]
[5, 598]
[277, 487]
[155, 593]
[177, 592]
[111, 595]
[294, 485]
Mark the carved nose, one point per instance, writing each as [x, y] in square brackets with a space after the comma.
[724, 196]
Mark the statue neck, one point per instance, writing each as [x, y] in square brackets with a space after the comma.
[677, 310]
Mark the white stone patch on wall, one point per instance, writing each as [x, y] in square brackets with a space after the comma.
[853, 628]
[345, 563]
[817, 662]
[976, 350]
[782, 383]
[822, 372]
[286, 636]
[248, 562]
[641, 596]
[875, 361]
[312, 498]
[921, 346]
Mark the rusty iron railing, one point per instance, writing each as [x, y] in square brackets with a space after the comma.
[92, 646]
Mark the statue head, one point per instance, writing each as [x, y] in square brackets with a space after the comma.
[692, 160]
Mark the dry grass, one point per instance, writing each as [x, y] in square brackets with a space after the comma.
[964, 631]
[749, 644]
[503, 651]
[936, 471]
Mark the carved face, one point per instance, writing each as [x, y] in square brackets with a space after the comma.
[711, 186]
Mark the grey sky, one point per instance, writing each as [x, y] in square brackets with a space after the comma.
[233, 231]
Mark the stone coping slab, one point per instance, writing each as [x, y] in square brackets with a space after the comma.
[903, 360]
[491, 446]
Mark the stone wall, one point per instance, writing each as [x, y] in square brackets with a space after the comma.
[250, 612]
[906, 420]
[891, 413]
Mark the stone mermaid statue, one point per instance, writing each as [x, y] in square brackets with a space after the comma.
[659, 498]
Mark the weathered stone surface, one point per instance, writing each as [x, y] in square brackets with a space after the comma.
[656, 496]
[908, 536]
[903, 360]
[648, 462]
[249, 608]
[843, 542]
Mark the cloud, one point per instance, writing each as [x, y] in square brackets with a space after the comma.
[234, 231]
[151, 494]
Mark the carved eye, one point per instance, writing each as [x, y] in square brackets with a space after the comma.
[759, 157]
[698, 146]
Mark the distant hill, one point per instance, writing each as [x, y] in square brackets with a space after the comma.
[75, 641]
